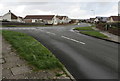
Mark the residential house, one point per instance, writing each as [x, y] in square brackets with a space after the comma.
[87, 20]
[63, 19]
[92, 20]
[96, 20]
[11, 17]
[100, 19]
[20, 19]
[47, 19]
[114, 19]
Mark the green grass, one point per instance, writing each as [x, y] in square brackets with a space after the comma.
[0, 31]
[31, 50]
[59, 74]
[83, 28]
[89, 31]
[94, 33]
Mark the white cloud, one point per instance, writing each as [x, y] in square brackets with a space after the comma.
[71, 9]
[1, 6]
[20, 9]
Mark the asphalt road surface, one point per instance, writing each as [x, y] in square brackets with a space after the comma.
[85, 57]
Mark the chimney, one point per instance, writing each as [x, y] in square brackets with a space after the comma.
[9, 11]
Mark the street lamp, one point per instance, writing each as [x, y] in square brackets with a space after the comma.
[93, 12]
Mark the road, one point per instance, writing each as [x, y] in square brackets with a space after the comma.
[85, 57]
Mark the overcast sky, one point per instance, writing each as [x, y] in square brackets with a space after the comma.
[81, 10]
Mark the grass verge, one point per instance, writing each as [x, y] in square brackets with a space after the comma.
[32, 51]
[84, 28]
[0, 31]
[94, 33]
[89, 31]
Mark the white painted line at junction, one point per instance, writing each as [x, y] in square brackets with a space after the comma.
[51, 33]
[72, 39]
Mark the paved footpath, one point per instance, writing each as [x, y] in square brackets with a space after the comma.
[15, 67]
[110, 35]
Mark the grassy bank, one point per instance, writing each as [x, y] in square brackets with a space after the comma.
[89, 31]
[0, 31]
[32, 51]
[83, 28]
[94, 33]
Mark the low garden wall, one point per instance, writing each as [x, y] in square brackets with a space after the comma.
[113, 28]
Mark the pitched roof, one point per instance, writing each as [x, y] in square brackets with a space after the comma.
[44, 17]
[115, 18]
[102, 18]
[13, 16]
[20, 17]
[92, 19]
[61, 17]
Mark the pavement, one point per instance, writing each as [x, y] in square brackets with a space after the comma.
[85, 57]
[110, 35]
[14, 67]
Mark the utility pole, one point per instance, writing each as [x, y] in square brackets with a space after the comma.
[93, 12]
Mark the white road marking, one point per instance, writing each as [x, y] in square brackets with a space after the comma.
[72, 39]
[51, 33]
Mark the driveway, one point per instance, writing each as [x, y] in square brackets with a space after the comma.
[85, 57]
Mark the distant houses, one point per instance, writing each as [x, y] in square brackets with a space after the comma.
[54, 19]
[103, 19]
[92, 20]
[63, 19]
[46, 19]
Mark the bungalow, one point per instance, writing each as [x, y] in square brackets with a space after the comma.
[63, 19]
[87, 20]
[114, 19]
[96, 20]
[100, 19]
[20, 19]
[11, 17]
[47, 19]
[92, 20]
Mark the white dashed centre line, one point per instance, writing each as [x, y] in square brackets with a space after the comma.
[51, 33]
[72, 39]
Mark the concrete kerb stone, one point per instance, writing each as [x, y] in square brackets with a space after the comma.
[68, 73]
[98, 37]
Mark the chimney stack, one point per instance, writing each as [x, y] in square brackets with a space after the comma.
[9, 11]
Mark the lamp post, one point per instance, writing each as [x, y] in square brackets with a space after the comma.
[93, 12]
